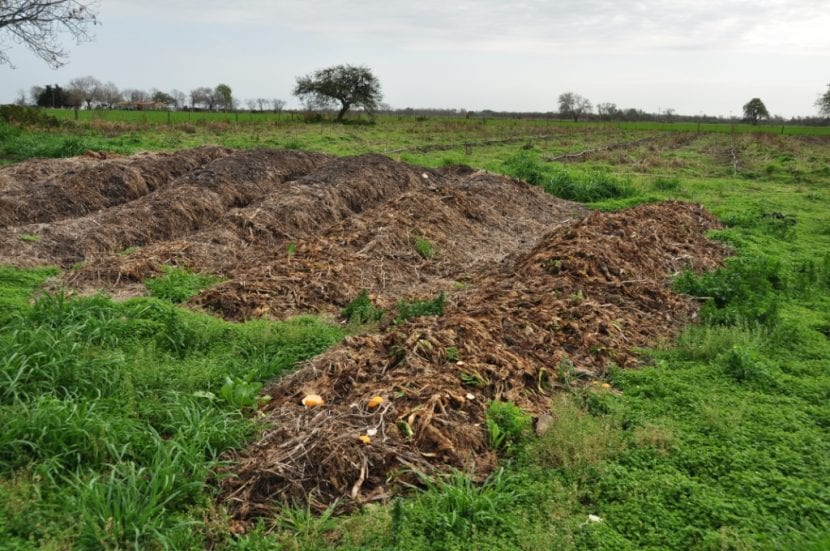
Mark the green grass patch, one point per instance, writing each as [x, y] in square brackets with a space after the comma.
[119, 411]
[179, 284]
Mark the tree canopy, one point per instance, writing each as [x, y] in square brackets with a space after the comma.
[754, 110]
[37, 24]
[348, 85]
[573, 105]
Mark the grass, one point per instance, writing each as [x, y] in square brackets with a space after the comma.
[119, 412]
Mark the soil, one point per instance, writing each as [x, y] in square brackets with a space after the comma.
[541, 294]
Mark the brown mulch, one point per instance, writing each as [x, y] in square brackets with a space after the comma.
[83, 187]
[186, 205]
[584, 297]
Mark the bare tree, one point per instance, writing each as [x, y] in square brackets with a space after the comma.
[21, 98]
[201, 96]
[277, 104]
[252, 104]
[573, 105]
[823, 103]
[37, 24]
[179, 97]
[607, 110]
[85, 89]
[135, 95]
[261, 102]
[109, 94]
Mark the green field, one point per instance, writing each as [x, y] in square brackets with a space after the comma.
[114, 414]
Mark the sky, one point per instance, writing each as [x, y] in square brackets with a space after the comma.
[696, 57]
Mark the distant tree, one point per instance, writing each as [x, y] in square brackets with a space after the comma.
[754, 110]
[261, 103]
[607, 110]
[34, 93]
[252, 104]
[823, 103]
[224, 96]
[53, 96]
[201, 96]
[179, 97]
[573, 105]
[277, 104]
[110, 95]
[135, 95]
[347, 85]
[21, 98]
[37, 23]
[163, 97]
[85, 89]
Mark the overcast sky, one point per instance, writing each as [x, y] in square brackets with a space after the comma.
[695, 56]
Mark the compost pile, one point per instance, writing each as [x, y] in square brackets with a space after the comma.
[585, 296]
[536, 293]
[291, 232]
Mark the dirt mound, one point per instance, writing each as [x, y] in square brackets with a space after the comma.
[352, 224]
[585, 296]
[190, 203]
[31, 195]
[462, 223]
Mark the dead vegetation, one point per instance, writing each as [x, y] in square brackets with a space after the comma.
[583, 298]
[541, 295]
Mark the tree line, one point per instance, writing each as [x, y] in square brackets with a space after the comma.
[89, 92]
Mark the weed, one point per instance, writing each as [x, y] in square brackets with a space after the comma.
[417, 308]
[178, 284]
[576, 440]
[30, 237]
[423, 247]
[666, 183]
[451, 353]
[361, 310]
[507, 425]
[454, 508]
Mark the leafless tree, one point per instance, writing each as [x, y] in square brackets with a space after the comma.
[823, 103]
[201, 96]
[277, 104]
[607, 110]
[109, 94]
[86, 89]
[37, 24]
[252, 104]
[135, 95]
[573, 105]
[179, 97]
[261, 102]
[21, 98]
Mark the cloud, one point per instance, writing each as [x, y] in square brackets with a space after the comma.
[529, 26]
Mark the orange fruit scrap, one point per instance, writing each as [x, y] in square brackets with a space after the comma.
[375, 401]
[364, 438]
[313, 400]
